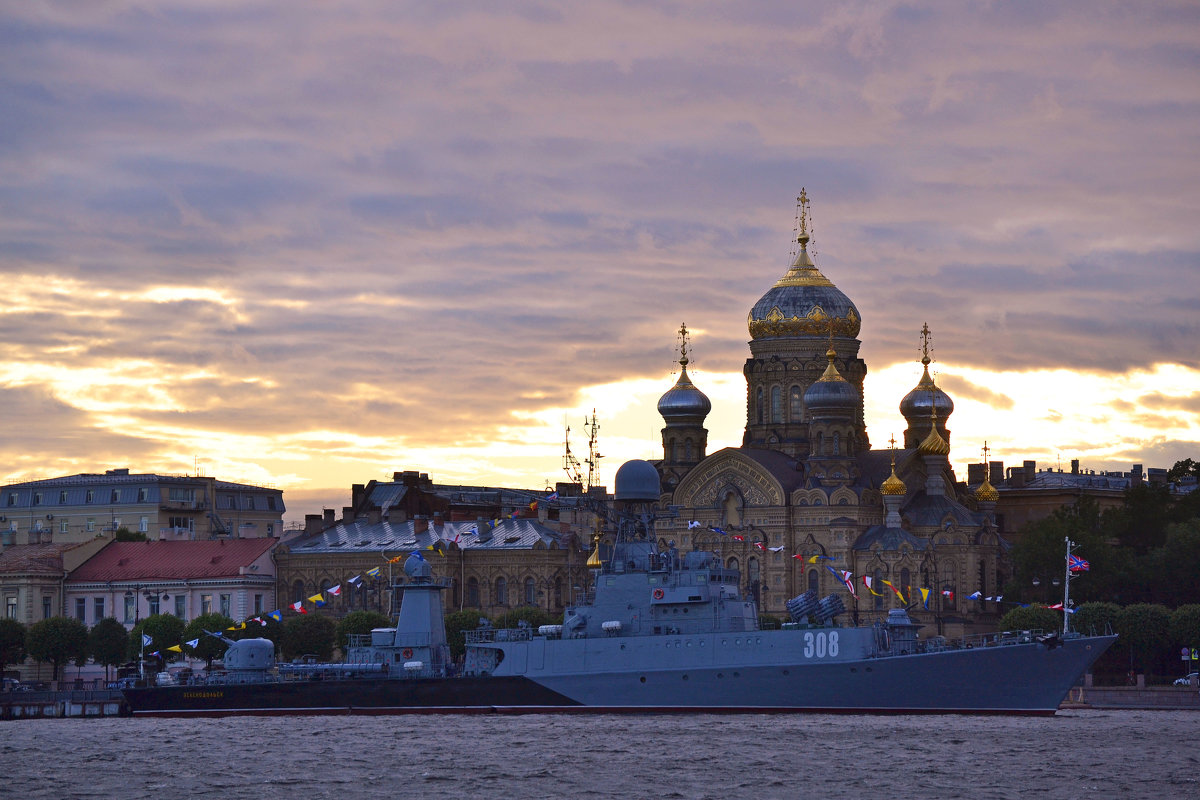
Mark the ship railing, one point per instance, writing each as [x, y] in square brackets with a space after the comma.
[483, 635]
[358, 640]
[940, 644]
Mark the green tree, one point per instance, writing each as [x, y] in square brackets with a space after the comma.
[57, 640]
[1179, 564]
[357, 623]
[1095, 618]
[1041, 553]
[108, 642]
[456, 623]
[1185, 627]
[12, 642]
[1145, 629]
[1183, 469]
[126, 535]
[1030, 618]
[207, 647]
[309, 634]
[1140, 524]
[164, 630]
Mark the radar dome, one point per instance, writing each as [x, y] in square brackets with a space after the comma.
[637, 480]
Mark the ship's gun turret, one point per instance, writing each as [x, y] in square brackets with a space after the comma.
[902, 632]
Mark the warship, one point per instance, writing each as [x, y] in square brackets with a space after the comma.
[658, 632]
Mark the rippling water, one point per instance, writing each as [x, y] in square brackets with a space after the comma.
[1076, 754]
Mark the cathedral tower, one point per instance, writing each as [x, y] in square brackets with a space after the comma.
[790, 327]
[683, 409]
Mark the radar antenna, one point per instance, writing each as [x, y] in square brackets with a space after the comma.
[570, 462]
[592, 428]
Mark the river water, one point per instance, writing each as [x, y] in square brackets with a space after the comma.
[1075, 754]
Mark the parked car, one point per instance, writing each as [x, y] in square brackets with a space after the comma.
[127, 682]
[1187, 680]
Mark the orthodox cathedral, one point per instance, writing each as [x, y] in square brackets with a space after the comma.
[806, 499]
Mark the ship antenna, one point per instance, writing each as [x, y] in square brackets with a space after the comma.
[592, 428]
[570, 462]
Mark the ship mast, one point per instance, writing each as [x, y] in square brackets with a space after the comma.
[570, 462]
[592, 428]
[1067, 587]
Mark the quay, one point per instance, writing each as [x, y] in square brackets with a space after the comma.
[69, 703]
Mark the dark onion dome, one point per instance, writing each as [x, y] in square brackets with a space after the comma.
[926, 400]
[637, 480]
[803, 302]
[683, 402]
[831, 392]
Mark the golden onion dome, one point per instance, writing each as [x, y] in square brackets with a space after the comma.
[986, 492]
[593, 561]
[893, 485]
[803, 302]
[934, 444]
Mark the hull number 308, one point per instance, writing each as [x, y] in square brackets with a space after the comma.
[820, 645]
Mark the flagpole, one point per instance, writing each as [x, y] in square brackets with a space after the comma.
[1067, 588]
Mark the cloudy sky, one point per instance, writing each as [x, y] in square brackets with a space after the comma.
[308, 244]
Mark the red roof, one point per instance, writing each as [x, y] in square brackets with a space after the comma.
[127, 561]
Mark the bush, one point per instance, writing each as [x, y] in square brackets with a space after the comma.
[308, 634]
[1145, 629]
[1028, 618]
[359, 623]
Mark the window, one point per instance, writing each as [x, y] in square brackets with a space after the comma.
[64, 526]
[796, 411]
[687, 449]
[558, 584]
[91, 523]
[97, 609]
[114, 496]
[905, 580]
[181, 495]
[837, 444]
[226, 604]
[229, 502]
[181, 606]
[776, 405]
[472, 592]
[155, 605]
[91, 496]
[258, 604]
[62, 498]
[501, 591]
[759, 405]
[271, 504]
[206, 604]
[180, 523]
[130, 607]
[814, 581]
[144, 524]
[143, 495]
[37, 498]
[530, 592]
[12, 498]
[10, 606]
[81, 609]
[250, 503]
[877, 585]
[46, 609]
[298, 591]
[116, 523]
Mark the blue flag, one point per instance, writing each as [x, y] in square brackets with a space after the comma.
[147, 640]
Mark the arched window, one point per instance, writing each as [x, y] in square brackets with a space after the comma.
[297, 591]
[796, 412]
[759, 398]
[905, 582]
[820, 444]
[837, 444]
[732, 563]
[501, 591]
[670, 450]
[687, 449]
[530, 592]
[814, 581]
[877, 580]
[558, 584]
[472, 592]
[776, 404]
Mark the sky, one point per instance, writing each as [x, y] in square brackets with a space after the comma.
[307, 245]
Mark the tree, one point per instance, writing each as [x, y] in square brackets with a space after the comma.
[1095, 618]
[458, 622]
[1031, 618]
[107, 643]
[12, 643]
[58, 640]
[164, 630]
[1183, 469]
[207, 647]
[1145, 629]
[1179, 563]
[126, 535]
[1185, 626]
[309, 634]
[359, 623]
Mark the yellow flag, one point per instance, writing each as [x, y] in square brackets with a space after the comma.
[316, 598]
[175, 649]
